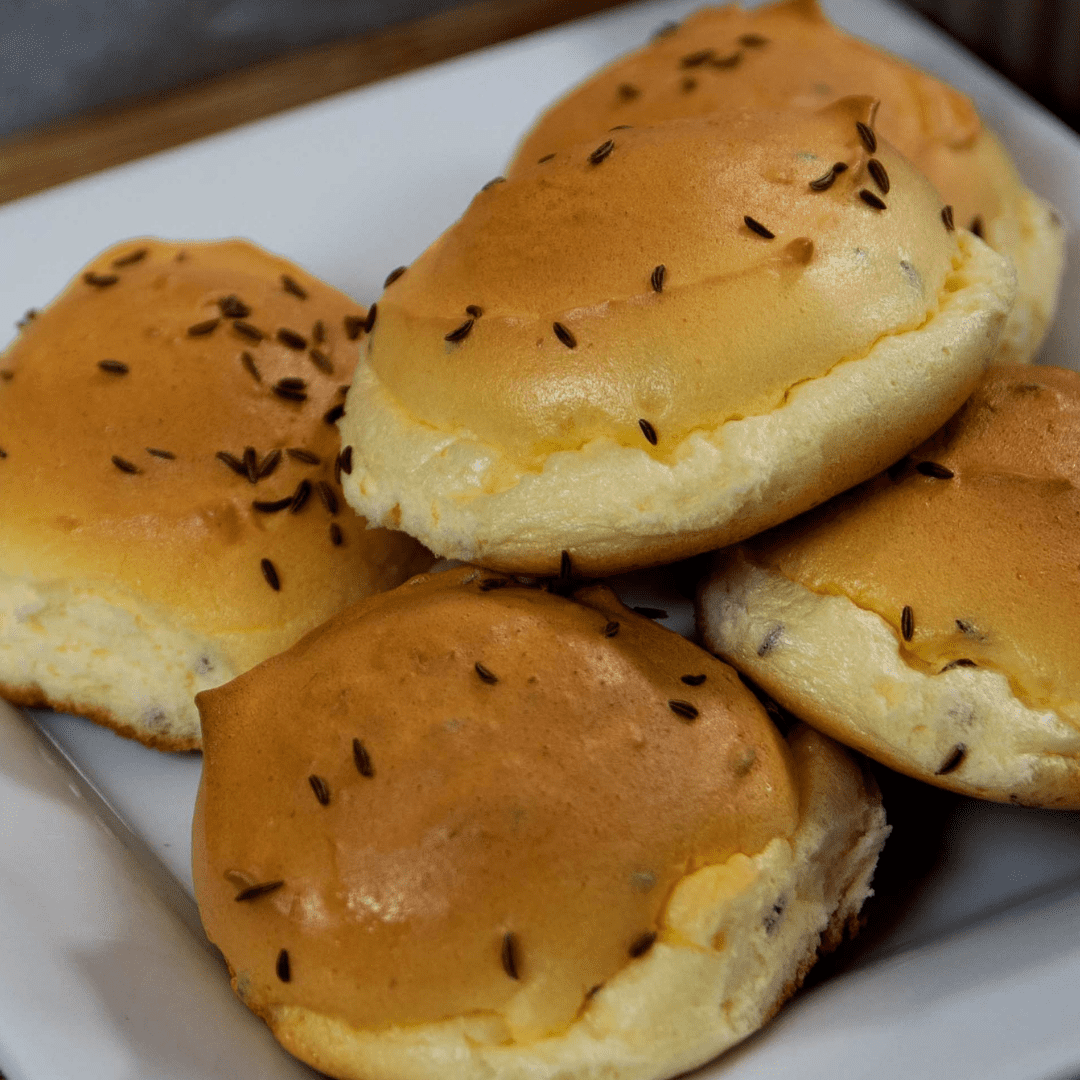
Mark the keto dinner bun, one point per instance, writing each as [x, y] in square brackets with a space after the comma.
[651, 346]
[470, 829]
[930, 617]
[169, 513]
[788, 55]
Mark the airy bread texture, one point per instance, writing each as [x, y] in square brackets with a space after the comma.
[930, 617]
[137, 566]
[681, 341]
[517, 835]
[788, 55]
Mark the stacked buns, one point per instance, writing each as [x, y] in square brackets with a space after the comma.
[517, 834]
[169, 506]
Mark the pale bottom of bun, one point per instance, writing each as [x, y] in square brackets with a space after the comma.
[736, 939]
[116, 660]
[615, 507]
[840, 668]
[1030, 232]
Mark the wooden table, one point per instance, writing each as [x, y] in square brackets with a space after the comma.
[73, 148]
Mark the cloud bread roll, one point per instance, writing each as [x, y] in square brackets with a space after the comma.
[789, 55]
[650, 346]
[169, 511]
[930, 617]
[469, 828]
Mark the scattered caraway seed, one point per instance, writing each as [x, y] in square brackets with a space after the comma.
[485, 675]
[100, 281]
[962, 662]
[113, 367]
[621, 127]
[976, 226]
[964, 626]
[642, 944]
[648, 431]
[167, 454]
[564, 335]
[131, 258]
[664, 30]
[757, 227]
[283, 967]
[907, 622]
[268, 464]
[289, 391]
[249, 365]
[627, 91]
[233, 462]
[611, 629]
[880, 176]
[650, 612]
[269, 571]
[334, 414]
[692, 680]
[934, 470]
[124, 465]
[545, 159]
[291, 338]
[947, 217]
[601, 152]
[871, 199]
[251, 464]
[723, 62]
[491, 583]
[253, 892]
[362, 759]
[329, 499]
[510, 958]
[369, 322]
[474, 311]
[461, 332]
[268, 507]
[866, 133]
[29, 316]
[318, 332]
[291, 285]
[245, 329]
[3, 453]
[566, 566]
[753, 41]
[953, 761]
[491, 183]
[300, 496]
[683, 709]
[353, 325]
[298, 453]
[201, 329]
[696, 59]
[232, 307]
[769, 641]
[657, 279]
[321, 361]
[346, 459]
[688, 85]
[336, 536]
[321, 789]
[393, 276]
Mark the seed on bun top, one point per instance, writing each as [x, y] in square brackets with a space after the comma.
[662, 280]
[969, 547]
[469, 796]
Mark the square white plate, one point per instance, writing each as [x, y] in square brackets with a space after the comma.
[974, 966]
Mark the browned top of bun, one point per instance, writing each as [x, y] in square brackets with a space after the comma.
[685, 274]
[115, 405]
[976, 533]
[783, 55]
[477, 798]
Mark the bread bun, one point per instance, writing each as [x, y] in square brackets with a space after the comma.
[789, 55]
[470, 828]
[154, 421]
[930, 617]
[660, 344]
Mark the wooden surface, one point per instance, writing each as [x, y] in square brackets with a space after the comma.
[74, 148]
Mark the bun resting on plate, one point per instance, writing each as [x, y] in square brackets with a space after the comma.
[930, 617]
[169, 513]
[667, 341]
[469, 828]
[788, 55]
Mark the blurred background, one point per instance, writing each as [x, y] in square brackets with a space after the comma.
[65, 60]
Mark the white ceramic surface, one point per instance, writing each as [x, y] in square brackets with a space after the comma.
[103, 969]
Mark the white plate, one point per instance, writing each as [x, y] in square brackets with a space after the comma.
[974, 965]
